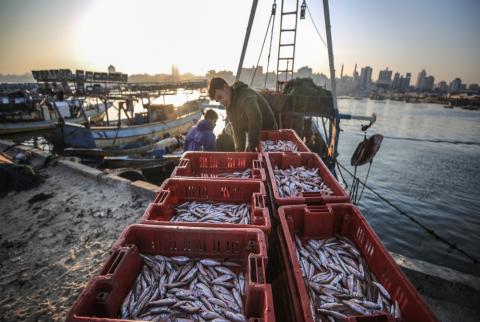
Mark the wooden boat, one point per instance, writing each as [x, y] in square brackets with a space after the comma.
[24, 115]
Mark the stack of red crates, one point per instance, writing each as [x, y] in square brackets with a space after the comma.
[319, 216]
[195, 179]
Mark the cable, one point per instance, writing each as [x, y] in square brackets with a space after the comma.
[261, 50]
[318, 32]
[428, 230]
[274, 9]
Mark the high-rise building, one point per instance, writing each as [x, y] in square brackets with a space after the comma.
[442, 87]
[407, 79]
[474, 87]
[455, 85]
[420, 79]
[384, 78]
[111, 69]
[396, 81]
[427, 83]
[355, 74]
[365, 77]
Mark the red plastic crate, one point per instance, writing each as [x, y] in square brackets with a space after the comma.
[210, 164]
[175, 191]
[310, 160]
[284, 134]
[319, 222]
[102, 298]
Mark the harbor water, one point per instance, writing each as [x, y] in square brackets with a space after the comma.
[428, 165]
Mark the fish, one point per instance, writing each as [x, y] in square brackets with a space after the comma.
[181, 288]
[338, 281]
[209, 212]
[294, 181]
[278, 146]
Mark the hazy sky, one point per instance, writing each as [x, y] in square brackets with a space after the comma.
[148, 36]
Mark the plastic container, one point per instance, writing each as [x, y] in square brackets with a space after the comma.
[175, 191]
[103, 296]
[284, 160]
[211, 164]
[284, 134]
[319, 222]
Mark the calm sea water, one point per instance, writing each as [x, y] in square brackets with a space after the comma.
[429, 166]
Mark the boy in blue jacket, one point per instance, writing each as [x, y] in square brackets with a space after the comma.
[201, 137]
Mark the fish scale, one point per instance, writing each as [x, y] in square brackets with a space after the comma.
[345, 291]
[193, 294]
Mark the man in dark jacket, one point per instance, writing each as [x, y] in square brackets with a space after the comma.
[201, 137]
[247, 110]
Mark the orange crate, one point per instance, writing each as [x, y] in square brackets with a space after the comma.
[319, 222]
[310, 160]
[102, 298]
[211, 164]
[176, 191]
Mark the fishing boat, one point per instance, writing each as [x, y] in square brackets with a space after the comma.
[20, 113]
[149, 131]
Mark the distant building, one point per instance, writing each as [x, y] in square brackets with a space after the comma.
[355, 74]
[304, 72]
[455, 85]
[365, 77]
[111, 69]
[442, 87]
[405, 85]
[427, 84]
[396, 81]
[420, 79]
[474, 87]
[463, 87]
[384, 79]
[175, 72]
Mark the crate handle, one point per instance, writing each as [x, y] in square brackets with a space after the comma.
[162, 195]
[257, 164]
[314, 197]
[258, 201]
[317, 208]
[113, 264]
[256, 270]
[183, 163]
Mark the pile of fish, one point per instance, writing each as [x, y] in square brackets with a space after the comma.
[208, 212]
[339, 282]
[291, 182]
[246, 174]
[175, 288]
[279, 146]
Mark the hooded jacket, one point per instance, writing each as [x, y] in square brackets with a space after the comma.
[249, 112]
[200, 137]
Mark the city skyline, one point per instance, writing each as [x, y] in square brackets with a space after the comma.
[149, 36]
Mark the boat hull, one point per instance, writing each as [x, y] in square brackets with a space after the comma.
[112, 136]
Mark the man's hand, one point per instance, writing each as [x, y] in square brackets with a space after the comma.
[250, 148]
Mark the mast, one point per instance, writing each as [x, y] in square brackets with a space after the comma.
[247, 36]
[334, 128]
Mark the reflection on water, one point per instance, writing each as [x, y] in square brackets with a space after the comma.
[428, 166]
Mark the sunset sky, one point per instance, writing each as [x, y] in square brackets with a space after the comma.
[148, 36]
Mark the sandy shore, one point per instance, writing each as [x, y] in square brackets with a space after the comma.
[54, 238]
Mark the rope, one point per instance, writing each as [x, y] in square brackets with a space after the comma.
[428, 230]
[274, 8]
[318, 32]
[261, 50]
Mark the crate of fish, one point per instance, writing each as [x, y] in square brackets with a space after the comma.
[213, 203]
[341, 269]
[298, 178]
[172, 273]
[285, 140]
[221, 165]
